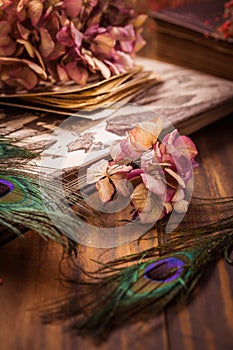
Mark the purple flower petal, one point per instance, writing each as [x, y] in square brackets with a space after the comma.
[64, 37]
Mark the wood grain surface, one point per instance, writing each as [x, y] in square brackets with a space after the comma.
[29, 268]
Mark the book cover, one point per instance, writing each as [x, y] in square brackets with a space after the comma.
[187, 35]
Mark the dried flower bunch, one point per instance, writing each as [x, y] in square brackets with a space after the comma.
[66, 40]
[154, 171]
[226, 29]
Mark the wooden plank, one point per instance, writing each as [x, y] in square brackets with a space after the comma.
[29, 268]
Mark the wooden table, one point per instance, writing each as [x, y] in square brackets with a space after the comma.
[29, 268]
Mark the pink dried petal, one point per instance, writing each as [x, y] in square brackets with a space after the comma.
[119, 169]
[127, 46]
[139, 197]
[170, 194]
[123, 34]
[77, 36]
[64, 37]
[93, 30]
[134, 174]
[89, 60]
[123, 61]
[154, 185]
[72, 7]
[115, 151]
[178, 196]
[185, 145]
[168, 207]
[53, 23]
[170, 137]
[124, 151]
[48, 12]
[77, 73]
[147, 159]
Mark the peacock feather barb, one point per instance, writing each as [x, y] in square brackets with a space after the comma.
[117, 294]
[30, 199]
[9, 150]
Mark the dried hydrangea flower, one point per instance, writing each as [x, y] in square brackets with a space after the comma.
[159, 171]
[66, 40]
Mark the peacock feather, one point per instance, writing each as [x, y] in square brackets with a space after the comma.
[117, 294]
[29, 199]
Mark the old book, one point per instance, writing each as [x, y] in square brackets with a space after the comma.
[187, 35]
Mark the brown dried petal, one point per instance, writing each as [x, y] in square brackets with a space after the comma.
[104, 70]
[21, 5]
[28, 47]
[17, 61]
[8, 48]
[58, 51]
[5, 28]
[19, 74]
[24, 32]
[35, 9]
[62, 73]
[37, 69]
[139, 20]
[103, 44]
[47, 45]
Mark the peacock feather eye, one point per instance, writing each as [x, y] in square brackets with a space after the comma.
[12, 190]
[165, 270]
[5, 187]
